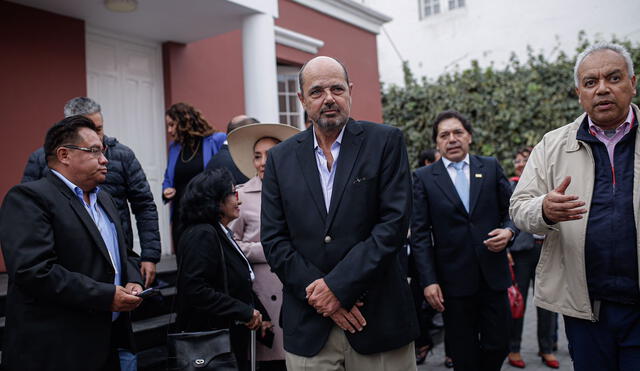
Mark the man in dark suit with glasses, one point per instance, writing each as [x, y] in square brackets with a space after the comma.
[72, 276]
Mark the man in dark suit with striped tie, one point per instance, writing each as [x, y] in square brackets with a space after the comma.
[459, 231]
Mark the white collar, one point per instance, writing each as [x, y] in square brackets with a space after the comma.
[338, 139]
[446, 161]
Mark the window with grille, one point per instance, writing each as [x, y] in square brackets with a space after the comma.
[454, 4]
[429, 8]
[290, 108]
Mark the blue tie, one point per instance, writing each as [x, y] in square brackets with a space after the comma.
[461, 184]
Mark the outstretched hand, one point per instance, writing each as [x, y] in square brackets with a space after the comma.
[559, 207]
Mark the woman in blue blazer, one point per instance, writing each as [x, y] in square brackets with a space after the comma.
[193, 144]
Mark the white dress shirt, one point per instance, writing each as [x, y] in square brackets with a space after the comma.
[326, 176]
[452, 171]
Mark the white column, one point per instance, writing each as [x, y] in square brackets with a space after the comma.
[260, 72]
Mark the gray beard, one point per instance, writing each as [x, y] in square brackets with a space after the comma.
[330, 125]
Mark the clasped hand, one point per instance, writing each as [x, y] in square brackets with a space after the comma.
[320, 297]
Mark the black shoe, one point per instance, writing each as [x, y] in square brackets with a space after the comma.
[421, 354]
[448, 362]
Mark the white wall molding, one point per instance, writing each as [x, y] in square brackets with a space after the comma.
[297, 40]
[350, 12]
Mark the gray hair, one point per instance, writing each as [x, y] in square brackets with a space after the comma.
[603, 46]
[81, 106]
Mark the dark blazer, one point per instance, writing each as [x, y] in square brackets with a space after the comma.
[60, 279]
[127, 184]
[223, 160]
[457, 257]
[202, 302]
[355, 246]
[524, 241]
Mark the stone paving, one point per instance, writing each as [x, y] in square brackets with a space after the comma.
[529, 351]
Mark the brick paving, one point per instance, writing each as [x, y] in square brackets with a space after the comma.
[529, 348]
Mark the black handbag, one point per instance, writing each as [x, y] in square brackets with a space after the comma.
[202, 350]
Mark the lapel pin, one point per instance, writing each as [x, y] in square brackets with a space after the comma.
[478, 175]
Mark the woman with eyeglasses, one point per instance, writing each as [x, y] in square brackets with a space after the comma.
[193, 144]
[214, 277]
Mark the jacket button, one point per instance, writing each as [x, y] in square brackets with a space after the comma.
[273, 298]
[327, 239]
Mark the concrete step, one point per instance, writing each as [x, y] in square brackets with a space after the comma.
[152, 332]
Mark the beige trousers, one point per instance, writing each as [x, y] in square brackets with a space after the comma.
[337, 355]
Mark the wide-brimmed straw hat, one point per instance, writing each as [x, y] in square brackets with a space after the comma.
[242, 140]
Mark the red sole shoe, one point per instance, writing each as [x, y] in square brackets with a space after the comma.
[551, 363]
[517, 363]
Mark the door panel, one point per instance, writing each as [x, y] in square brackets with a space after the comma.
[124, 76]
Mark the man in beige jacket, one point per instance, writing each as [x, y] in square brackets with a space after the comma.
[581, 187]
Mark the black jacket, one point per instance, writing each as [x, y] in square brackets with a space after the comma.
[223, 160]
[447, 241]
[60, 279]
[125, 181]
[203, 302]
[355, 247]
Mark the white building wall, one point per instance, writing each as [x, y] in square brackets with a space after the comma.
[489, 30]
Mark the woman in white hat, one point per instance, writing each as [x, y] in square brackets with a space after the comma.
[248, 146]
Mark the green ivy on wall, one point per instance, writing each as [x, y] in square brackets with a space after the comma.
[508, 109]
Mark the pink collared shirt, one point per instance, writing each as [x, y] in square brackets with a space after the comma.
[610, 142]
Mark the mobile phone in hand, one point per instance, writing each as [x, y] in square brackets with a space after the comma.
[267, 339]
[148, 293]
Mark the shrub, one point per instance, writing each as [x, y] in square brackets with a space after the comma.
[509, 108]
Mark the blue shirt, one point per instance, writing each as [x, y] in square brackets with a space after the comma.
[453, 174]
[105, 226]
[327, 176]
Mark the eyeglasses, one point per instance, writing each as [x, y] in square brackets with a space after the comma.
[95, 151]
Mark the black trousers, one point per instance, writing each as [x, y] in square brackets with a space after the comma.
[478, 327]
[120, 338]
[240, 337]
[425, 314]
[525, 262]
[278, 365]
